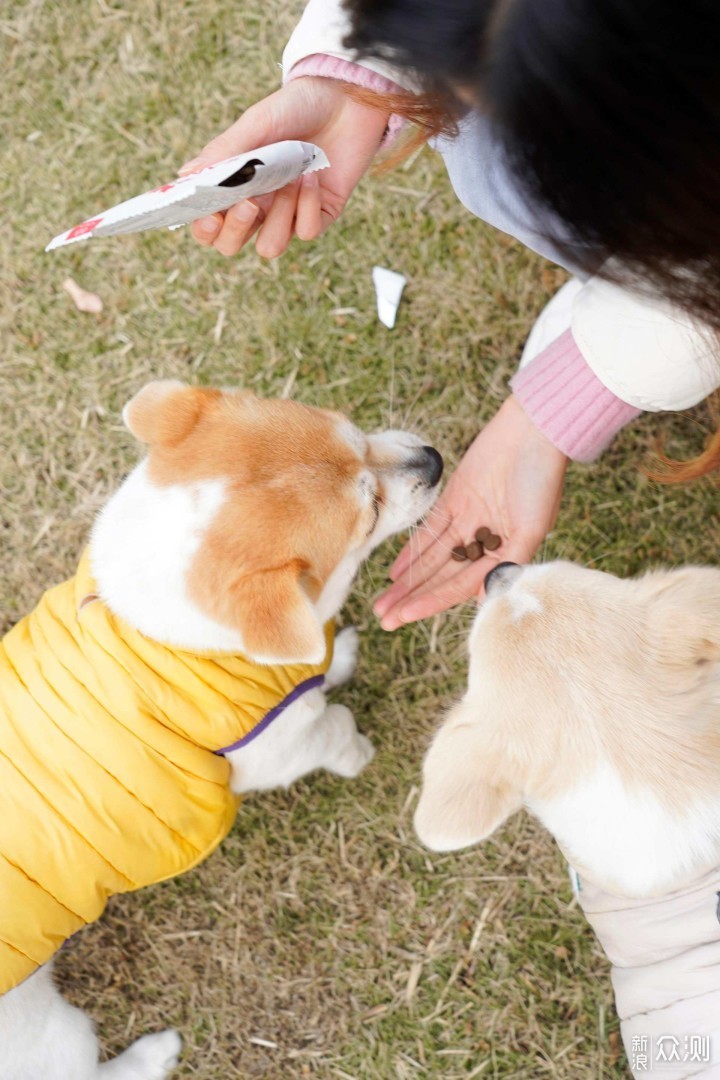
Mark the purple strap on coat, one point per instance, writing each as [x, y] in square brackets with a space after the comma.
[300, 689]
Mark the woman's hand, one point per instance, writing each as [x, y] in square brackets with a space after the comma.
[511, 480]
[311, 109]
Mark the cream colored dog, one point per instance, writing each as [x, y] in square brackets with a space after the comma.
[595, 703]
[230, 547]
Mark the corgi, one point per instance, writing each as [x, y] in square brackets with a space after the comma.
[595, 703]
[184, 664]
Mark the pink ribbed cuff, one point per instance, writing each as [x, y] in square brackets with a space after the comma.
[323, 66]
[565, 399]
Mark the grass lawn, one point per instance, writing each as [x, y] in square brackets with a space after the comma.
[322, 940]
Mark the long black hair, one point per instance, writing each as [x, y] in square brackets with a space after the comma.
[608, 111]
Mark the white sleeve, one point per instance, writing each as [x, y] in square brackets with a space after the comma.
[646, 352]
[322, 27]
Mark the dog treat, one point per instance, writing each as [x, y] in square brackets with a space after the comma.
[474, 551]
[485, 540]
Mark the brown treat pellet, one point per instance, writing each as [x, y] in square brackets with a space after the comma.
[481, 535]
[459, 553]
[492, 542]
[474, 551]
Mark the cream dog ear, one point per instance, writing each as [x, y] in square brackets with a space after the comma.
[273, 614]
[684, 616]
[460, 803]
[164, 412]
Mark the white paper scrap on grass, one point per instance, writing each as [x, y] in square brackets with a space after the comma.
[188, 198]
[388, 288]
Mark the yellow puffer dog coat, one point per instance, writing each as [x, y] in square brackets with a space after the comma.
[110, 774]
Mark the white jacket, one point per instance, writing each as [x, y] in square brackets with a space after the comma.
[647, 353]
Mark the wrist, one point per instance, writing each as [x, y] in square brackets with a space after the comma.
[567, 402]
[513, 410]
[345, 71]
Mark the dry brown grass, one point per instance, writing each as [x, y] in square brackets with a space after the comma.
[322, 940]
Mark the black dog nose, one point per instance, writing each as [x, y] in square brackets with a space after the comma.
[499, 575]
[432, 465]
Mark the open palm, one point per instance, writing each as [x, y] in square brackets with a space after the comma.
[510, 480]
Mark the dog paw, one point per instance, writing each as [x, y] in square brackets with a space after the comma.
[344, 659]
[356, 756]
[152, 1057]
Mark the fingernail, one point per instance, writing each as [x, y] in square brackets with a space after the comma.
[246, 211]
[192, 166]
[311, 180]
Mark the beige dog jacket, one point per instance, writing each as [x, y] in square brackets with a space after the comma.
[665, 956]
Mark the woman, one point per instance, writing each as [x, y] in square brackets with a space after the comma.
[588, 129]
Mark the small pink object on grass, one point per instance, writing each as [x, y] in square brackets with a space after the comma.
[81, 298]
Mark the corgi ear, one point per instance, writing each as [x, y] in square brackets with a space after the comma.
[684, 617]
[460, 804]
[163, 412]
[273, 614]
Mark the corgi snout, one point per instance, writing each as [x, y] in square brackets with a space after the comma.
[428, 464]
[501, 577]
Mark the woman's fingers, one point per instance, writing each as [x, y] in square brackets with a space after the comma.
[294, 209]
[308, 215]
[433, 530]
[278, 228]
[206, 229]
[240, 222]
[426, 563]
[429, 561]
[452, 584]
[447, 577]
